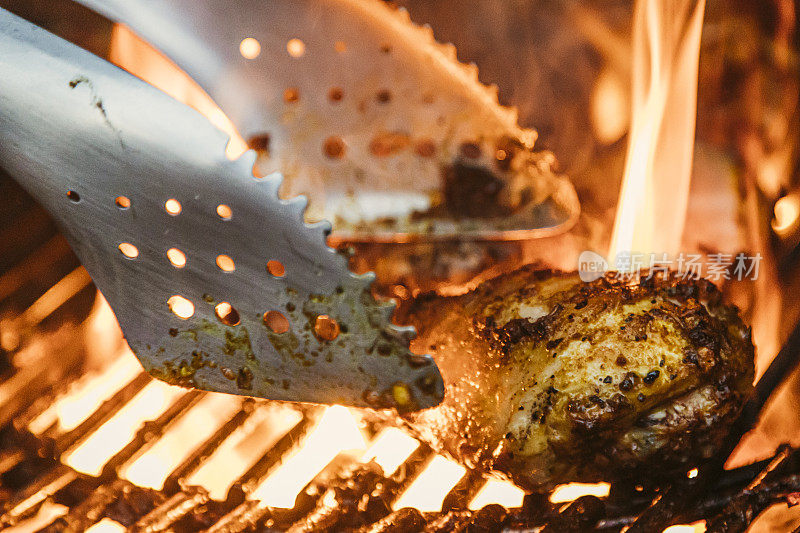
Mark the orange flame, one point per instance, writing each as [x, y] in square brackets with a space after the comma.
[652, 207]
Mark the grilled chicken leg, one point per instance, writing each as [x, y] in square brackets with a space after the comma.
[550, 379]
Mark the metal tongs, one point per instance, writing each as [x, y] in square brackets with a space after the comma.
[216, 282]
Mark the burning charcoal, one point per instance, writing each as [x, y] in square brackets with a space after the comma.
[450, 521]
[580, 515]
[249, 516]
[742, 509]
[181, 504]
[405, 520]
[202, 517]
[85, 514]
[488, 519]
[304, 504]
[341, 506]
[133, 503]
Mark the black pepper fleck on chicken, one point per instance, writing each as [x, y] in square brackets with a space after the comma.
[550, 379]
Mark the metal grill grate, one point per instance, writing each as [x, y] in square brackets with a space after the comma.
[44, 300]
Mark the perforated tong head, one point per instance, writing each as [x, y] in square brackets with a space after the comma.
[216, 282]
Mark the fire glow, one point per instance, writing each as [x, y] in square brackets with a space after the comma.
[106, 525]
[85, 396]
[655, 189]
[498, 491]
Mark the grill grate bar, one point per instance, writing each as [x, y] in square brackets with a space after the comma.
[90, 510]
[405, 519]
[61, 475]
[464, 491]
[37, 267]
[408, 472]
[149, 432]
[242, 513]
[103, 413]
[171, 511]
[195, 459]
[42, 402]
[248, 514]
[251, 478]
[36, 493]
[19, 391]
[11, 458]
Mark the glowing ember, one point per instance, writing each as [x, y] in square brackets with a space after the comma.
[243, 448]
[427, 492]
[496, 491]
[696, 527]
[106, 525]
[389, 449]
[336, 432]
[152, 467]
[90, 455]
[86, 395]
[573, 491]
[655, 189]
[787, 211]
[141, 59]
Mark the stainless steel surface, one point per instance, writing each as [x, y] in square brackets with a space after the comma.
[397, 104]
[78, 133]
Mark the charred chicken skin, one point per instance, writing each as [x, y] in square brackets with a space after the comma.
[550, 379]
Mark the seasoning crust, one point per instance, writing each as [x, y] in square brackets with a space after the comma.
[550, 379]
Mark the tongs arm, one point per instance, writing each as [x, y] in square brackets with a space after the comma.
[104, 152]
